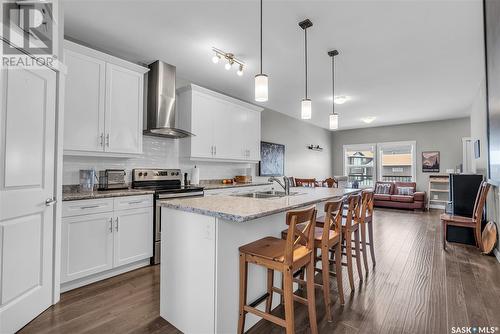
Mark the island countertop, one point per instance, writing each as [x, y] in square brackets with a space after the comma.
[242, 209]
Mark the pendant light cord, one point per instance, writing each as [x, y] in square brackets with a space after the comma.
[333, 84]
[305, 51]
[260, 36]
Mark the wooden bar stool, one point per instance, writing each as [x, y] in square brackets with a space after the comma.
[473, 222]
[366, 222]
[286, 256]
[328, 239]
[350, 230]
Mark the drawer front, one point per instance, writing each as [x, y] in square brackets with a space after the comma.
[133, 202]
[87, 206]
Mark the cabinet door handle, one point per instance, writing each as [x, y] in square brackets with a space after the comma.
[107, 140]
[135, 202]
[116, 226]
[215, 150]
[101, 140]
[111, 225]
[89, 207]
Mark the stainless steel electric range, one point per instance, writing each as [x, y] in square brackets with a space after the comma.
[167, 185]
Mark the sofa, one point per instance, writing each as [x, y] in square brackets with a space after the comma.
[399, 195]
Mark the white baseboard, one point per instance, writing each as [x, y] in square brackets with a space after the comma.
[101, 276]
[437, 206]
[497, 254]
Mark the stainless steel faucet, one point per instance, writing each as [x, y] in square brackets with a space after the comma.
[285, 184]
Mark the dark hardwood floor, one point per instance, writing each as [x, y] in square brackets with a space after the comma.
[416, 287]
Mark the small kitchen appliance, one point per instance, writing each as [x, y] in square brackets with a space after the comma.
[112, 179]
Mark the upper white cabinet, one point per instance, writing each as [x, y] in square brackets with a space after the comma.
[103, 103]
[224, 128]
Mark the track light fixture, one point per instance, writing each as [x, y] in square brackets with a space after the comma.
[230, 60]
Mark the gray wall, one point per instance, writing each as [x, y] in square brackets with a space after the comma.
[296, 135]
[444, 136]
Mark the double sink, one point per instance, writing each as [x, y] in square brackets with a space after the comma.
[266, 194]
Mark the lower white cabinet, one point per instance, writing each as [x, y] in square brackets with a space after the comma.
[132, 236]
[87, 245]
[100, 236]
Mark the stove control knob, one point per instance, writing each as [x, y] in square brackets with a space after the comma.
[172, 173]
[145, 173]
[177, 173]
[140, 173]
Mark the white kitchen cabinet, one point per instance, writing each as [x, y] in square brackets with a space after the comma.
[124, 110]
[103, 103]
[225, 129]
[133, 236]
[202, 123]
[84, 102]
[87, 245]
[105, 237]
[252, 125]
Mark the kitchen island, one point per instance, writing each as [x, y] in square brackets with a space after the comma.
[199, 280]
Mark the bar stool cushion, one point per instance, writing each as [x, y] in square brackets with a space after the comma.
[272, 248]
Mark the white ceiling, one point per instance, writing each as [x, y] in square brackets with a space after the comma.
[400, 61]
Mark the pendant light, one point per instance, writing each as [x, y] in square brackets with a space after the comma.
[305, 108]
[261, 80]
[334, 117]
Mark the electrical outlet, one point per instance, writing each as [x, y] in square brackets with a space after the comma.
[436, 196]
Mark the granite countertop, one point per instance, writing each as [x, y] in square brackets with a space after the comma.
[210, 186]
[242, 209]
[72, 193]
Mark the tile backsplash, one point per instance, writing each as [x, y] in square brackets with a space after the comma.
[157, 153]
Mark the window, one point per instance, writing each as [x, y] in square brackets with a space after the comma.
[396, 161]
[366, 163]
[359, 164]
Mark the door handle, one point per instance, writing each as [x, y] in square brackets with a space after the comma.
[116, 226]
[215, 150]
[107, 140]
[101, 142]
[111, 225]
[50, 201]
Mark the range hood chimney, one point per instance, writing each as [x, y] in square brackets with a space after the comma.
[161, 102]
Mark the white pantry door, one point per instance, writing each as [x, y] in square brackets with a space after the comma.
[27, 148]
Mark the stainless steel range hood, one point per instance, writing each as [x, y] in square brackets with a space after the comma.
[161, 102]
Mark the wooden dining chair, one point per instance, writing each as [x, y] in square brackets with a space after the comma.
[328, 238]
[350, 231]
[286, 256]
[330, 183]
[473, 222]
[305, 182]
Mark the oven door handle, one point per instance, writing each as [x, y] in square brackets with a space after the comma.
[179, 195]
